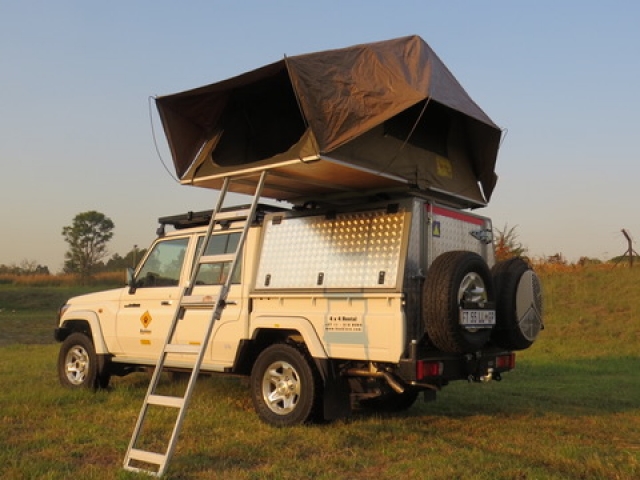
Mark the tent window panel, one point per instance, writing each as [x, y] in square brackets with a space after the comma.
[260, 121]
[431, 133]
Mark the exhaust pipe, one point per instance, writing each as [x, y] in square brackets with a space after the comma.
[374, 372]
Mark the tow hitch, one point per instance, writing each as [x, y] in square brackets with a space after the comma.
[490, 374]
[485, 369]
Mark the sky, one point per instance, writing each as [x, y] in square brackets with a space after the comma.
[561, 78]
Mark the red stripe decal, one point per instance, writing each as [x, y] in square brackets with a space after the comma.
[456, 215]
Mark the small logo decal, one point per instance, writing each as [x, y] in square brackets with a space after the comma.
[435, 229]
[443, 167]
[146, 319]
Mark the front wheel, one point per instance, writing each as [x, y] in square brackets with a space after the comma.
[285, 386]
[78, 364]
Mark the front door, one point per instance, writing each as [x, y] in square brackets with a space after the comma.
[146, 312]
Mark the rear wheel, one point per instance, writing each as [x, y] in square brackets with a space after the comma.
[285, 386]
[78, 364]
[456, 278]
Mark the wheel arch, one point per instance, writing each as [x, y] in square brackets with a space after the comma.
[87, 322]
[268, 328]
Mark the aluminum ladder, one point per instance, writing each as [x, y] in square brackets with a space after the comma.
[137, 459]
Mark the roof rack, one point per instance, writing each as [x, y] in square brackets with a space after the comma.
[202, 218]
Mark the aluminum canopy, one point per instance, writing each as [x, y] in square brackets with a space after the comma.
[371, 117]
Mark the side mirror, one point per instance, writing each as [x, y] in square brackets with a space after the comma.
[131, 280]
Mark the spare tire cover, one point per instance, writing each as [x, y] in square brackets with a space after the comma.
[519, 304]
[452, 278]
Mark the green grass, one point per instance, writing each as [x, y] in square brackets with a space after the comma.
[21, 298]
[570, 410]
[28, 314]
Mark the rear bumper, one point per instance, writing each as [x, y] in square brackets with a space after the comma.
[438, 369]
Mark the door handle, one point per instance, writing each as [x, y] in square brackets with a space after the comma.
[166, 302]
[132, 305]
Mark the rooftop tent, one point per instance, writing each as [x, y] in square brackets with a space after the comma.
[372, 117]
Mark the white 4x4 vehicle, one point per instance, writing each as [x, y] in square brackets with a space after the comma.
[368, 304]
[377, 285]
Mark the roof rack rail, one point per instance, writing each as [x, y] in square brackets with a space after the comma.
[202, 218]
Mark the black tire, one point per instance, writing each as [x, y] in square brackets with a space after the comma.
[285, 386]
[392, 402]
[452, 278]
[78, 365]
[519, 304]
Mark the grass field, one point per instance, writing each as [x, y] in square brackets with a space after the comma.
[570, 410]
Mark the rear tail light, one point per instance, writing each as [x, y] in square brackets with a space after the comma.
[428, 369]
[506, 362]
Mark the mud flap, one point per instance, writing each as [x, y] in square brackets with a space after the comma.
[336, 401]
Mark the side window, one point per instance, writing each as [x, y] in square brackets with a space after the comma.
[163, 265]
[217, 273]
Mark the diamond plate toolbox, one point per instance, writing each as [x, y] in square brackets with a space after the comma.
[348, 250]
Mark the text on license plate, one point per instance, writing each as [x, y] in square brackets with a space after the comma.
[478, 318]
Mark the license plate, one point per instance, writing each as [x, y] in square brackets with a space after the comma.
[477, 318]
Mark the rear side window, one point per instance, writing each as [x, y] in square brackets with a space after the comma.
[217, 273]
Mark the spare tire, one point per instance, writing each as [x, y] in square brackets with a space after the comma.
[453, 278]
[519, 304]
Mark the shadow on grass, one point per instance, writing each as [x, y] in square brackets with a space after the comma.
[573, 388]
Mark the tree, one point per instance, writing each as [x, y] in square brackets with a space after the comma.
[507, 244]
[87, 238]
[26, 267]
[118, 262]
[556, 259]
[589, 261]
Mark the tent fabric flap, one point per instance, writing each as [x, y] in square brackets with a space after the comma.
[389, 109]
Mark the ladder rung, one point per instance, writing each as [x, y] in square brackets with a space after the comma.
[181, 348]
[149, 457]
[198, 300]
[195, 305]
[165, 401]
[225, 257]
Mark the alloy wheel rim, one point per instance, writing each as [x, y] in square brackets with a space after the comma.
[281, 387]
[77, 365]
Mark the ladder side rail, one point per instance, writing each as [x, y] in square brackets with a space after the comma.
[216, 314]
[178, 313]
[155, 378]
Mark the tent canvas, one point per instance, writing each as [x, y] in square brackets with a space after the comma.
[380, 116]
